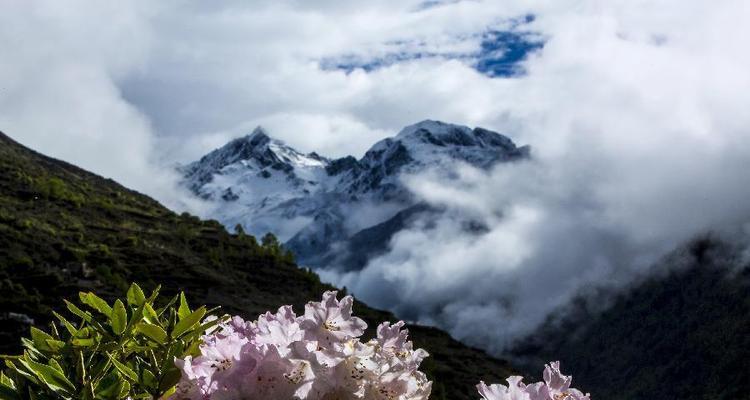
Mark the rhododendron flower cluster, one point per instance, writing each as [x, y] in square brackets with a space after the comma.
[318, 355]
[556, 386]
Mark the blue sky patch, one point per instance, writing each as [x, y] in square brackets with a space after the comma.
[503, 52]
[500, 54]
[350, 63]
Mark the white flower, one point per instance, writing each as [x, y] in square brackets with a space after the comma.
[556, 386]
[317, 356]
[331, 320]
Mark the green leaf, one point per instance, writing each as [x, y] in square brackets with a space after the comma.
[40, 339]
[84, 315]
[96, 302]
[188, 322]
[194, 349]
[124, 390]
[135, 296]
[101, 369]
[210, 324]
[169, 392]
[176, 350]
[135, 317]
[22, 371]
[152, 359]
[153, 332]
[31, 347]
[110, 386]
[83, 342]
[184, 310]
[86, 332]
[55, 345]
[7, 388]
[71, 329]
[53, 378]
[56, 365]
[124, 369]
[119, 318]
[149, 314]
[167, 306]
[4, 380]
[149, 379]
[154, 295]
[81, 367]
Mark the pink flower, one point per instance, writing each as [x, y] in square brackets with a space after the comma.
[556, 386]
[331, 320]
[276, 376]
[514, 391]
[280, 329]
[392, 337]
[559, 384]
[318, 356]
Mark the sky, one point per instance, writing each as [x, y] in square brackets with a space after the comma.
[636, 112]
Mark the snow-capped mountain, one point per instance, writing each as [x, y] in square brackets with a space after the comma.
[321, 207]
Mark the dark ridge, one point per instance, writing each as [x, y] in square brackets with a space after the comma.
[680, 335]
[373, 241]
[340, 165]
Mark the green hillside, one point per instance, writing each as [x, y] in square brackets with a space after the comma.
[63, 229]
[684, 335]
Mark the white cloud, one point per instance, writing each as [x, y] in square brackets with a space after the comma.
[636, 112]
[59, 91]
[639, 143]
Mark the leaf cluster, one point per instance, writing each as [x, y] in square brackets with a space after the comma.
[125, 349]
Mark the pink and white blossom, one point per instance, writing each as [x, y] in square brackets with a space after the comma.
[319, 356]
[556, 386]
[316, 356]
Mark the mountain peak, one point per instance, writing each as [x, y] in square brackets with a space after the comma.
[241, 148]
[258, 137]
[442, 134]
[258, 134]
[280, 172]
[429, 125]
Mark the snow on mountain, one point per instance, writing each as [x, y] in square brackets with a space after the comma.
[315, 204]
[255, 180]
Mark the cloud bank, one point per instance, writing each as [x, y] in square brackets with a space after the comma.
[639, 142]
[636, 111]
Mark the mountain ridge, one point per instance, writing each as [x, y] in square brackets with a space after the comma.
[308, 199]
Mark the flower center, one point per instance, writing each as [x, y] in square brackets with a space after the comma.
[297, 374]
[222, 365]
[331, 326]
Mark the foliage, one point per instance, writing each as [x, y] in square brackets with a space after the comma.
[271, 244]
[107, 350]
[55, 188]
